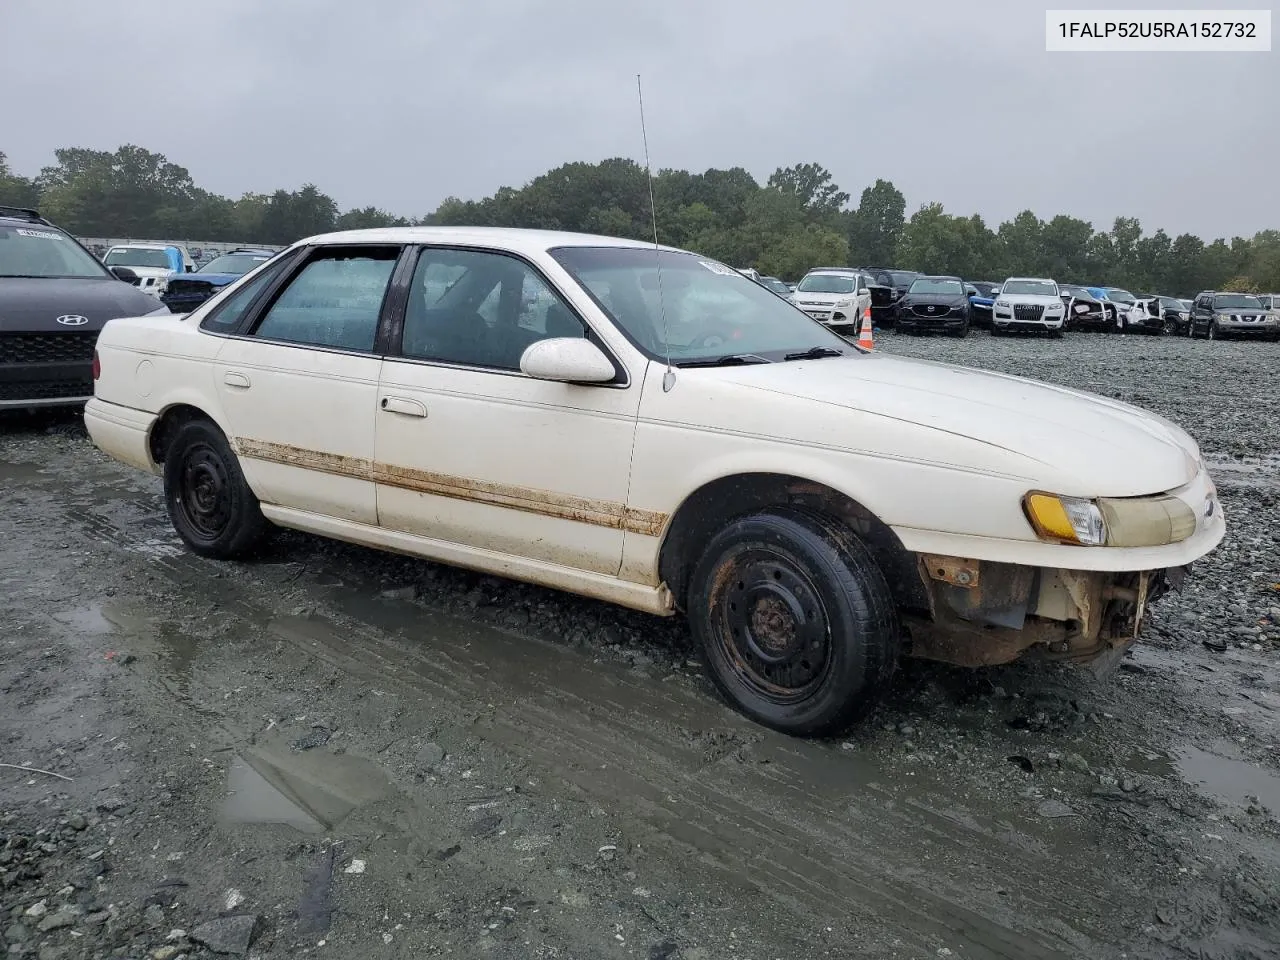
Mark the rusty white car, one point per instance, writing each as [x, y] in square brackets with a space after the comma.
[557, 409]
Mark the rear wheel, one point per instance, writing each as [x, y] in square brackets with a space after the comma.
[795, 620]
[209, 503]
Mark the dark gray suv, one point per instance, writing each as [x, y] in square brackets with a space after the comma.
[1218, 314]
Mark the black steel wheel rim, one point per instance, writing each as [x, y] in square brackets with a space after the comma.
[772, 627]
[204, 492]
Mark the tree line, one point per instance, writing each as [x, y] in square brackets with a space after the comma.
[799, 218]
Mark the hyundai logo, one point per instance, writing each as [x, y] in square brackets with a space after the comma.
[72, 320]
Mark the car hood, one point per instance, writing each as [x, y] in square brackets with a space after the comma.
[157, 272]
[1239, 311]
[214, 279]
[30, 305]
[1042, 300]
[822, 299]
[944, 299]
[1085, 445]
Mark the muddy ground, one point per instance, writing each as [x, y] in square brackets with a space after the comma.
[339, 753]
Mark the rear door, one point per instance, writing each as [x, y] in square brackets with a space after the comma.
[299, 381]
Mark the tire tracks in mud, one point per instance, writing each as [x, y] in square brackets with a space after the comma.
[815, 830]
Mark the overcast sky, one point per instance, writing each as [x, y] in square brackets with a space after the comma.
[400, 103]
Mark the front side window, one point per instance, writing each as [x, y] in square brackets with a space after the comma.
[334, 301]
[696, 310]
[481, 309]
[828, 283]
[228, 314]
[44, 252]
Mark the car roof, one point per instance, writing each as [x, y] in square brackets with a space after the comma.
[1034, 279]
[516, 239]
[23, 215]
[937, 276]
[140, 246]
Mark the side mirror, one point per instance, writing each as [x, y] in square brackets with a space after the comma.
[864, 292]
[125, 274]
[568, 360]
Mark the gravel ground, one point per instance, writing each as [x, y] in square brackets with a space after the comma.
[336, 752]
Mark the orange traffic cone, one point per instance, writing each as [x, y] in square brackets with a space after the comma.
[865, 339]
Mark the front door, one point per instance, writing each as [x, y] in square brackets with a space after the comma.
[471, 451]
[299, 388]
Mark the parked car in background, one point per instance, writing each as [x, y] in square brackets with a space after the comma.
[814, 510]
[183, 292]
[751, 272]
[980, 302]
[1084, 310]
[1130, 315]
[152, 263]
[1029, 304]
[1175, 314]
[1270, 301]
[1219, 315]
[55, 298]
[894, 283]
[835, 296]
[777, 286]
[934, 304]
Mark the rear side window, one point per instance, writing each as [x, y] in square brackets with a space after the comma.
[334, 301]
[226, 316]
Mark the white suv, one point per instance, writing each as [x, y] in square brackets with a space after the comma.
[835, 296]
[1028, 303]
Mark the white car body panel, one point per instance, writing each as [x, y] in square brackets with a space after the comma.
[574, 486]
[1004, 309]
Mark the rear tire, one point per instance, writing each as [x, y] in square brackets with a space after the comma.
[209, 503]
[795, 621]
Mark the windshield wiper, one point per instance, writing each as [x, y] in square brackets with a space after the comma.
[729, 360]
[815, 353]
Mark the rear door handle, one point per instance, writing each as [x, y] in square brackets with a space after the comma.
[407, 408]
[232, 379]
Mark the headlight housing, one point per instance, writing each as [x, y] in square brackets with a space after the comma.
[1110, 521]
[1003, 304]
[1065, 519]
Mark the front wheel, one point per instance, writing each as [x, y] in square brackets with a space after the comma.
[1215, 332]
[795, 620]
[209, 503]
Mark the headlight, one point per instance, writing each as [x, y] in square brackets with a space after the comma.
[1065, 519]
[1003, 304]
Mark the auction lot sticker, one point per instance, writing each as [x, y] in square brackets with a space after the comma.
[1157, 31]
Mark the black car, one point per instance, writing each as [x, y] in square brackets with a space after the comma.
[186, 291]
[777, 286]
[890, 287]
[1219, 315]
[1085, 311]
[55, 297]
[1173, 314]
[939, 304]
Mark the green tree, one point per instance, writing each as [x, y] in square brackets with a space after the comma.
[15, 190]
[876, 226]
[812, 186]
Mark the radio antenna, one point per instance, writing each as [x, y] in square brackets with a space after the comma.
[668, 378]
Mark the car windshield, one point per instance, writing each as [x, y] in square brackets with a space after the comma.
[1121, 296]
[928, 285]
[986, 289]
[137, 257]
[1034, 288]
[1243, 301]
[828, 283]
[696, 309]
[40, 251]
[237, 263]
[1171, 304]
[902, 278]
[1073, 291]
[777, 286]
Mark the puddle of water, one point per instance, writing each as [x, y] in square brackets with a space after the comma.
[311, 792]
[1225, 778]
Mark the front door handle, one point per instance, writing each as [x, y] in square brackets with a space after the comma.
[233, 379]
[407, 408]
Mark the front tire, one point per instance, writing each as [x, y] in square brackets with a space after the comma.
[795, 621]
[209, 503]
[1215, 332]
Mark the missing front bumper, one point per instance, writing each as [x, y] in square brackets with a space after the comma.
[983, 614]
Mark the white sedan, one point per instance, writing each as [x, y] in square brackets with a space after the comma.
[552, 408]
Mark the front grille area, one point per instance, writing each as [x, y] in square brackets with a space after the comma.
[930, 311]
[1028, 312]
[47, 347]
[190, 288]
[47, 389]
